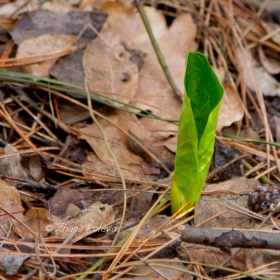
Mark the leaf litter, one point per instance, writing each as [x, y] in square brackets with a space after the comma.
[64, 196]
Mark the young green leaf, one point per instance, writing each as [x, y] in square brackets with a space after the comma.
[197, 127]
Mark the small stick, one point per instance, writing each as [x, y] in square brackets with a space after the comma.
[227, 239]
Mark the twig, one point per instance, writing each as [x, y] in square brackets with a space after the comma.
[227, 239]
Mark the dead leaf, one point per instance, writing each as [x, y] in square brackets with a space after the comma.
[10, 262]
[35, 166]
[11, 164]
[71, 113]
[41, 22]
[97, 169]
[173, 271]
[37, 220]
[10, 201]
[268, 85]
[208, 205]
[129, 162]
[154, 93]
[148, 169]
[260, 258]
[171, 144]
[64, 196]
[271, 65]
[117, 141]
[231, 108]
[93, 218]
[126, 25]
[42, 45]
[110, 69]
[206, 254]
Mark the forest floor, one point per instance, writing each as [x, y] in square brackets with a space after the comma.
[89, 130]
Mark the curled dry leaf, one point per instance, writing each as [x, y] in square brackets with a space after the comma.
[271, 65]
[268, 85]
[231, 108]
[43, 45]
[110, 69]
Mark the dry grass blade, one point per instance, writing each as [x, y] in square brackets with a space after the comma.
[21, 61]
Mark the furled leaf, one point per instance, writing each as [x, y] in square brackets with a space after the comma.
[196, 130]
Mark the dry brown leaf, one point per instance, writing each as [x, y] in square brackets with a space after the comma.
[171, 144]
[260, 258]
[93, 218]
[129, 162]
[208, 205]
[154, 93]
[42, 45]
[10, 262]
[154, 272]
[11, 164]
[110, 69]
[98, 169]
[10, 201]
[268, 85]
[71, 113]
[59, 202]
[117, 141]
[206, 254]
[271, 65]
[126, 25]
[231, 108]
[37, 220]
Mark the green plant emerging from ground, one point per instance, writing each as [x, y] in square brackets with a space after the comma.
[202, 100]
